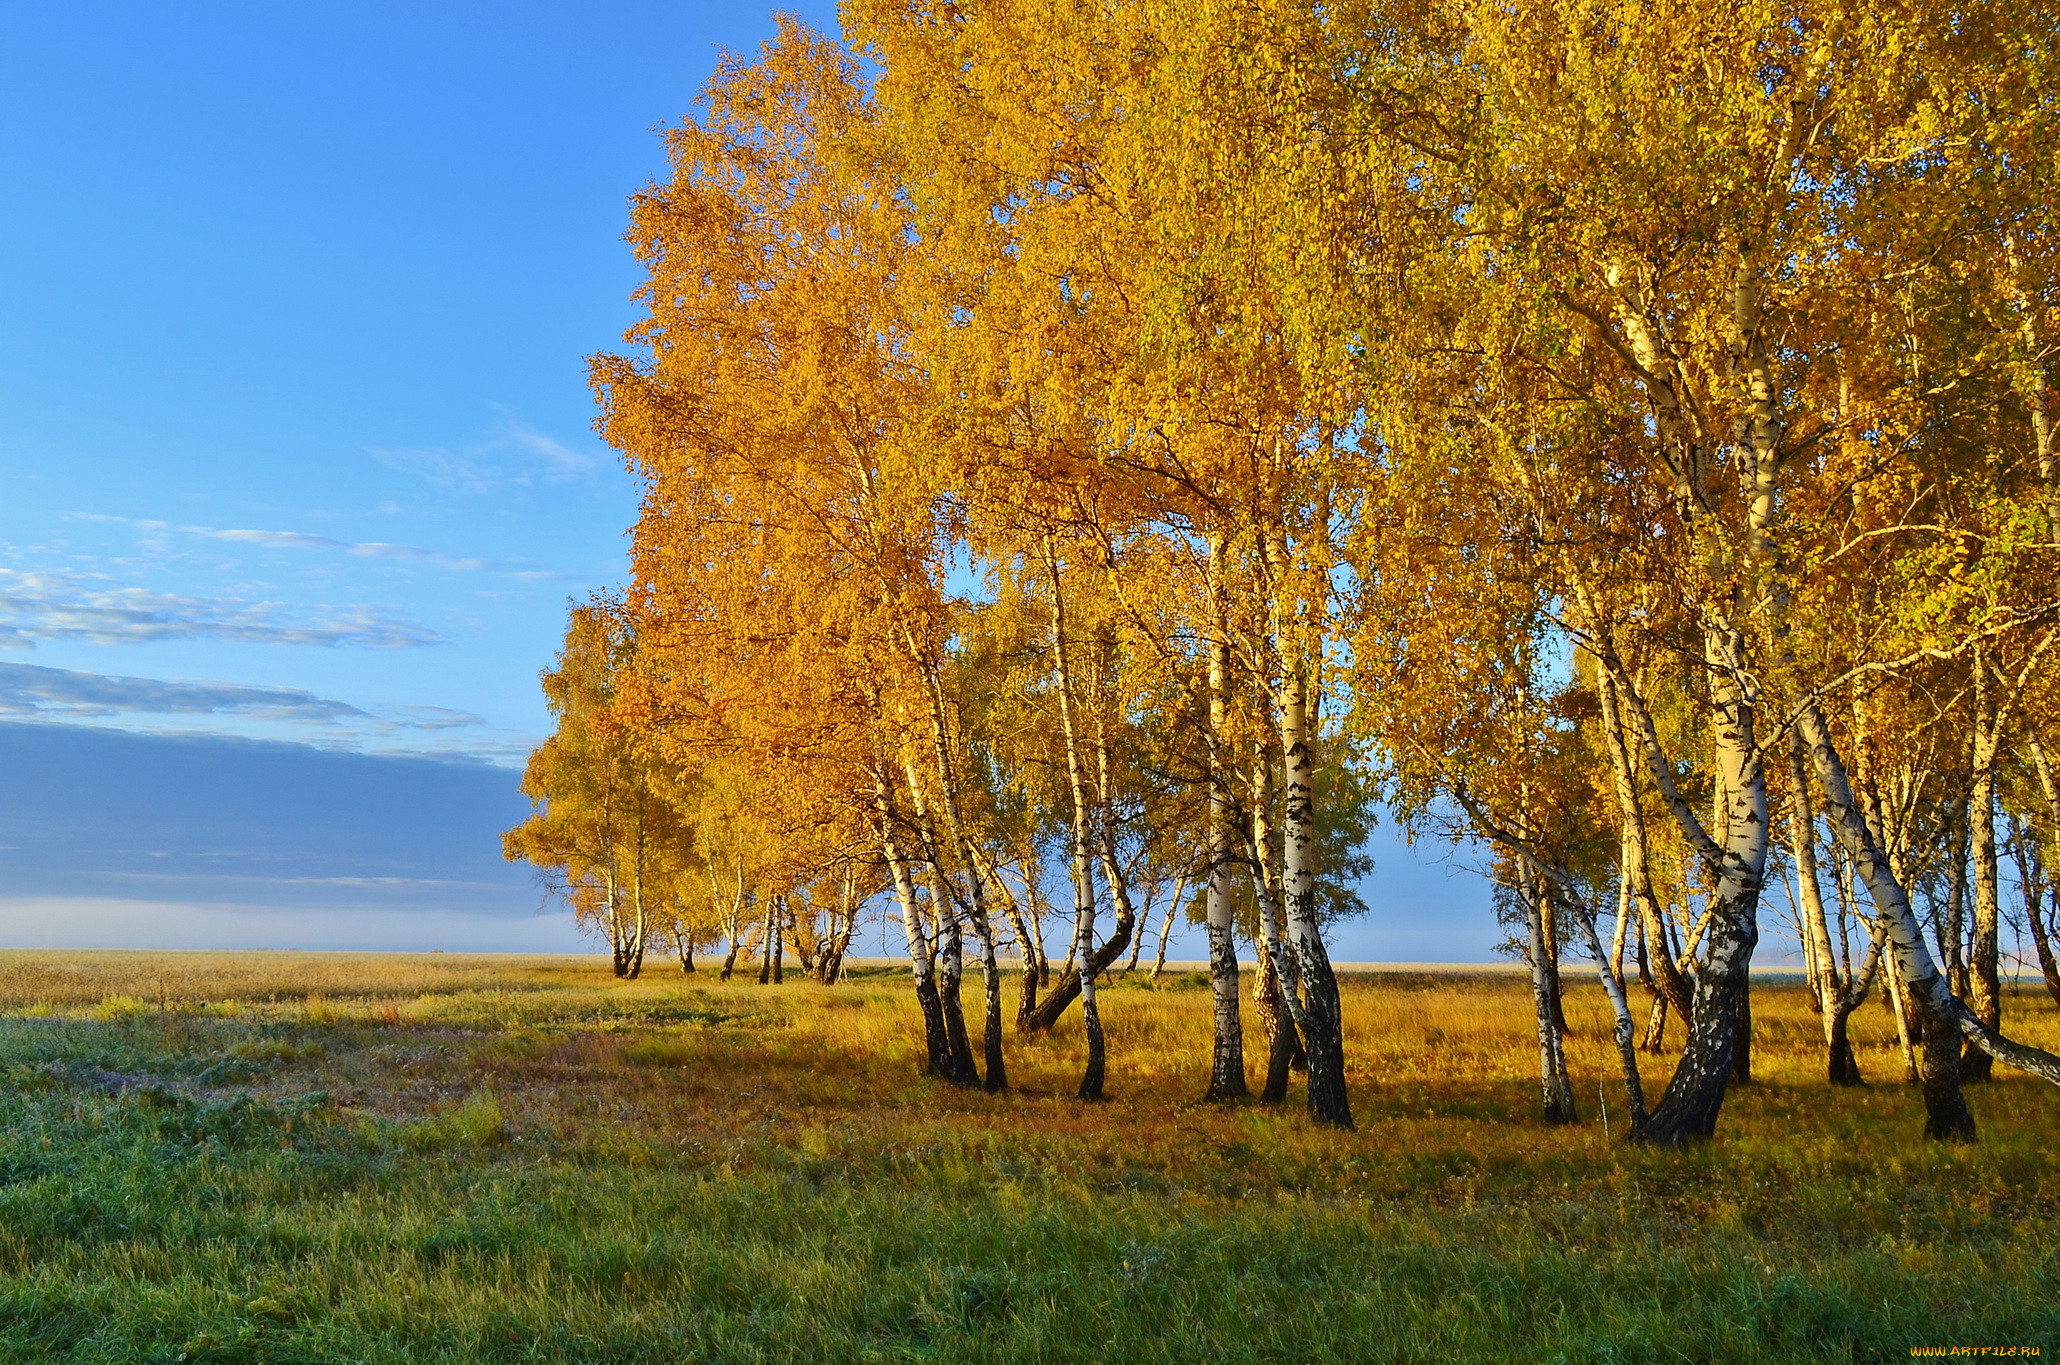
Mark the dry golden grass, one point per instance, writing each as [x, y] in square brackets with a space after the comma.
[1434, 1059]
[810, 1152]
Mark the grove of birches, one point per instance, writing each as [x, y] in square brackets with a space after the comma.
[1095, 455]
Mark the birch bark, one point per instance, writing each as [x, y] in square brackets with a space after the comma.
[1227, 1058]
[1082, 838]
[1321, 1018]
[936, 1044]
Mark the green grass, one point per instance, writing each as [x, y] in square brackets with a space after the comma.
[477, 1160]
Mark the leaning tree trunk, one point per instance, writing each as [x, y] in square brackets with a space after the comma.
[2042, 932]
[1054, 1005]
[1034, 968]
[1663, 974]
[1624, 1030]
[1165, 932]
[1947, 1116]
[2031, 879]
[1842, 1067]
[1284, 1044]
[936, 1043]
[1828, 986]
[976, 881]
[1688, 1111]
[1939, 1011]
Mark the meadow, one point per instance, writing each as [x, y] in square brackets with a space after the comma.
[324, 1157]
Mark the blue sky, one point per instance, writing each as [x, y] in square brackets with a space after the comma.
[293, 408]
[297, 446]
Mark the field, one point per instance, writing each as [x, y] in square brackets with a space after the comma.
[320, 1157]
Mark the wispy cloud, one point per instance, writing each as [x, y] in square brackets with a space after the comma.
[29, 690]
[432, 717]
[63, 693]
[522, 570]
[364, 549]
[40, 606]
[513, 453]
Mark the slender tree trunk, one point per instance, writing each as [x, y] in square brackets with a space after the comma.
[1624, 912]
[996, 1068]
[1899, 1009]
[1828, 989]
[1654, 1040]
[1843, 1067]
[1166, 929]
[1946, 1112]
[2042, 931]
[1104, 825]
[731, 909]
[950, 939]
[2031, 880]
[1949, 926]
[1277, 1008]
[1625, 1029]
[1555, 990]
[1284, 1044]
[1664, 975]
[1027, 930]
[770, 935]
[1557, 1086]
[1688, 1110]
[1083, 872]
[951, 967]
[1053, 1006]
[635, 964]
[1985, 994]
[830, 962]
[1937, 1008]
[976, 875]
[1227, 1059]
[1321, 1020]
[937, 1045]
[618, 946]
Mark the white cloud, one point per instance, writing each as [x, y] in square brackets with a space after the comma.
[513, 453]
[39, 606]
[273, 540]
[558, 460]
[379, 549]
[26, 689]
[61, 693]
[158, 531]
[431, 717]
